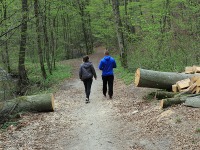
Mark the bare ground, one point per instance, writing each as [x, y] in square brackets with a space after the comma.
[126, 122]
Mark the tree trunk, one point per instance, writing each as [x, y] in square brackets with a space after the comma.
[46, 40]
[55, 43]
[34, 103]
[171, 101]
[51, 39]
[66, 53]
[164, 94]
[68, 37]
[38, 31]
[195, 101]
[23, 78]
[7, 61]
[160, 80]
[120, 35]
[91, 42]
[81, 6]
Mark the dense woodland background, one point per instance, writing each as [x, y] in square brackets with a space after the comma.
[36, 35]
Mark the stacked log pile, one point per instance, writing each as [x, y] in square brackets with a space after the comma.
[190, 85]
[181, 87]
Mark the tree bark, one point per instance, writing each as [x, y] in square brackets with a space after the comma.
[23, 78]
[46, 40]
[160, 80]
[34, 103]
[38, 31]
[164, 94]
[55, 43]
[6, 56]
[66, 47]
[81, 6]
[192, 100]
[120, 35]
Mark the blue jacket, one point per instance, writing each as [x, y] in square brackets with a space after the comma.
[106, 65]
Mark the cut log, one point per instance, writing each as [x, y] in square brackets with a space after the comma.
[174, 101]
[34, 103]
[196, 69]
[164, 94]
[174, 88]
[171, 101]
[197, 90]
[160, 80]
[193, 101]
[198, 82]
[192, 87]
[194, 78]
[194, 90]
[182, 84]
[189, 70]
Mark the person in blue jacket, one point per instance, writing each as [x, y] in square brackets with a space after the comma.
[106, 65]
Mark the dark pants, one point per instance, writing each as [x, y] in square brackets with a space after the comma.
[108, 80]
[87, 84]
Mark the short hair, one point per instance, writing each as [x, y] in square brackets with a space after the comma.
[106, 52]
[86, 58]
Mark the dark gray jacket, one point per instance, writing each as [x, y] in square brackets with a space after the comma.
[87, 71]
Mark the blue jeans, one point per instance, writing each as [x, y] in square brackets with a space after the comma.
[87, 84]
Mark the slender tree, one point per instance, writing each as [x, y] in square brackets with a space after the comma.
[38, 31]
[5, 54]
[46, 39]
[23, 78]
[86, 25]
[120, 35]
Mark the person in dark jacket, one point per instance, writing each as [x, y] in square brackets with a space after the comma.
[106, 65]
[86, 74]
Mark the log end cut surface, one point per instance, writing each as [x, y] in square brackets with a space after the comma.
[137, 77]
[52, 101]
[161, 104]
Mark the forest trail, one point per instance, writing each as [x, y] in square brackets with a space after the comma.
[95, 126]
[126, 122]
[74, 125]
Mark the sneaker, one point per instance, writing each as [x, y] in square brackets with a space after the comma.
[104, 95]
[110, 97]
[87, 100]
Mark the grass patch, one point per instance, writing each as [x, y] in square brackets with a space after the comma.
[178, 120]
[198, 130]
[39, 85]
[124, 74]
[149, 97]
[7, 124]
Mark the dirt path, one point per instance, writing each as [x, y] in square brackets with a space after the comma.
[95, 126]
[125, 123]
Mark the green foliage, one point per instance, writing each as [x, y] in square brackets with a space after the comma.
[38, 84]
[102, 22]
[61, 73]
[7, 124]
[167, 36]
[198, 130]
[153, 54]
[124, 74]
[178, 120]
[150, 96]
